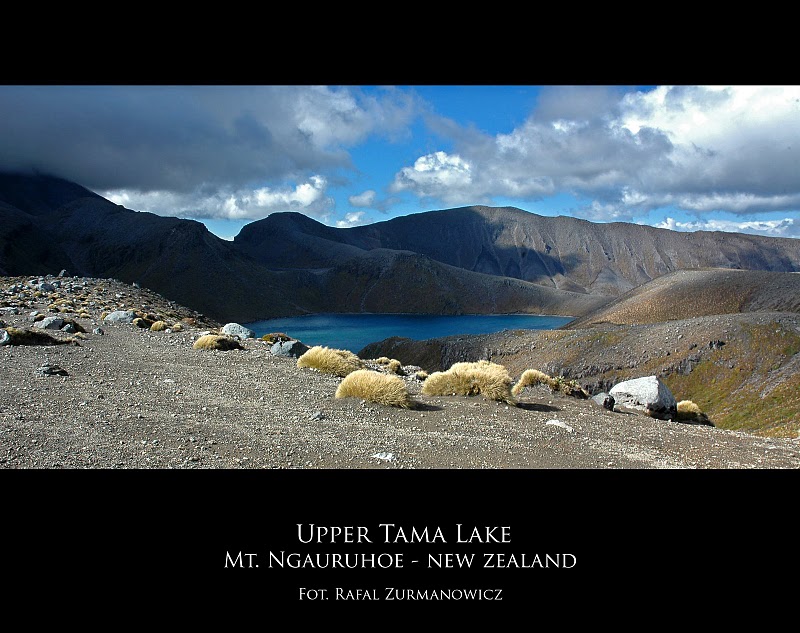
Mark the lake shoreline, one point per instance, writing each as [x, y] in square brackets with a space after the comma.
[354, 331]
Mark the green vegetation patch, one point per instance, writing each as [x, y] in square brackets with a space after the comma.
[732, 386]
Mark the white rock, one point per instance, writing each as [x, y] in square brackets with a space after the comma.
[238, 331]
[646, 394]
[561, 424]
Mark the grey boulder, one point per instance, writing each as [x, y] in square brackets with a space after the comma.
[120, 316]
[647, 394]
[293, 349]
[50, 323]
[237, 331]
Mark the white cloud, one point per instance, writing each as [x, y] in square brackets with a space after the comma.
[439, 175]
[733, 149]
[181, 138]
[365, 199]
[309, 198]
[786, 227]
[351, 219]
[598, 212]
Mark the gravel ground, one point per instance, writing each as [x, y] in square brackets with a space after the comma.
[136, 399]
[139, 399]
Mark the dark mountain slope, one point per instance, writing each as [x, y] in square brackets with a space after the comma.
[64, 226]
[39, 194]
[298, 268]
[396, 281]
[25, 245]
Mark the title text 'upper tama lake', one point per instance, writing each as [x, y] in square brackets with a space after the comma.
[355, 331]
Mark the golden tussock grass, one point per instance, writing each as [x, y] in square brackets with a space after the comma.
[338, 362]
[531, 378]
[375, 387]
[688, 411]
[158, 326]
[276, 337]
[470, 379]
[21, 336]
[393, 366]
[215, 341]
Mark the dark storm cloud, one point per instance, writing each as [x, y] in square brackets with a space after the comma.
[178, 138]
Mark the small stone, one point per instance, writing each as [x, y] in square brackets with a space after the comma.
[560, 424]
[51, 370]
[387, 457]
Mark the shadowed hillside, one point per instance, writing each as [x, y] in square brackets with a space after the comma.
[60, 225]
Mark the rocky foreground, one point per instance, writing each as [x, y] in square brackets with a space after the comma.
[118, 396]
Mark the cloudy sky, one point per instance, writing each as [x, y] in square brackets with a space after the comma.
[679, 157]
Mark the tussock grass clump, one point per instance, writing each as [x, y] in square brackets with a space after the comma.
[142, 323]
[393, 366]
[177, 327]
[338, 362]
[158, 326]
[688, 411]
[531, 378]
[375, 387]
[20, 336]
[215, 341]
[276, 337]
[470, 379]
[383, 360]
[421, 375]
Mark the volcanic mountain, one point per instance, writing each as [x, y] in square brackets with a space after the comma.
[455, 261]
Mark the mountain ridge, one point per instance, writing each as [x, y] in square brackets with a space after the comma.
[474, 259]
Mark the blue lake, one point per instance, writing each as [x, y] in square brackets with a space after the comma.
[354, 331]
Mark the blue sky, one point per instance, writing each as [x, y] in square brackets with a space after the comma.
[678, 157]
